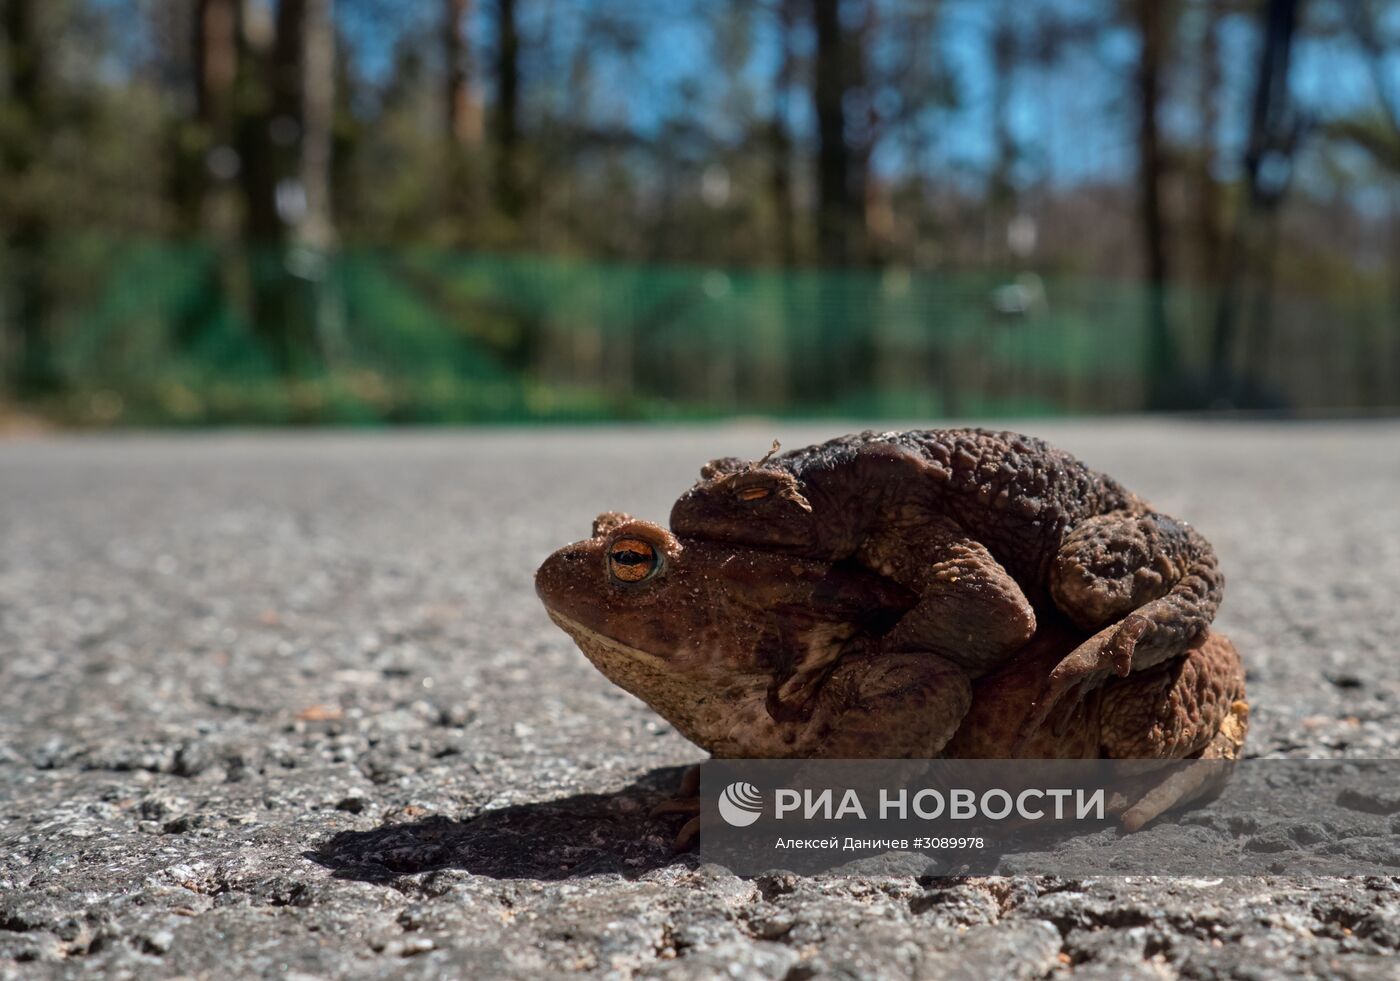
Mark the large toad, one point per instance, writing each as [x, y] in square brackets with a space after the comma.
[755, 654]
[751, 653]
[987, 528]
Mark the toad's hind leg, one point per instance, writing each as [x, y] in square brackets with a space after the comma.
[1192, 708]
[970, 611]
[1148, 583]
[1201, 778]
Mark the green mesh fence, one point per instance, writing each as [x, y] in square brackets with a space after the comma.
[153, 333]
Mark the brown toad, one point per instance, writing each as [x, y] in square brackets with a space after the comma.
[752, 653]
[989, 529]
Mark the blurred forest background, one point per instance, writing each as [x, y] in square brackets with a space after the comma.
[469, 210]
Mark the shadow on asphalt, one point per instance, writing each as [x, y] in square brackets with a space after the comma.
[570, 837]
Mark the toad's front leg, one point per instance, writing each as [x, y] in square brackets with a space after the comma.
[887, 706]
[686, 802]
[1149, 585]
[970, 611]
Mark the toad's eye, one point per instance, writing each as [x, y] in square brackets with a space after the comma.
[753, 493]
[632, 560]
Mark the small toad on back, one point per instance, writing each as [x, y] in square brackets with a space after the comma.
[985, 527]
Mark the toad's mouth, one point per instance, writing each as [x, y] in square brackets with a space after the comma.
[601, 649]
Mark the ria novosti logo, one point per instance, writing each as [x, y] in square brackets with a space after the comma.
[741, 804]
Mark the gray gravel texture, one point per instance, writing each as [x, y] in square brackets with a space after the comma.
[286, 705]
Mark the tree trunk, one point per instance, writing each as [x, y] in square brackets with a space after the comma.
[202, 173]
[26, 61]
[772, 367]
[1001, 192]
[839, 359]
[217, 25]
[780, 141]
[1274, 131]
[1160, 367]
[1209, 204]
[270, 136]
[463, 111]
[287, 185]
[510, 197]
[1363, 23]
[838, 203]
[463, 123]
[861, 134]
[315, 228]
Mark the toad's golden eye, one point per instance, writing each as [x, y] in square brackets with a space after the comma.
[632, 560]
[753, 493]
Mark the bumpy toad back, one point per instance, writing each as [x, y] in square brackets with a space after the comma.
[990, 529]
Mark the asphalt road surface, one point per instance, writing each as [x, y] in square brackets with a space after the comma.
[286, 705]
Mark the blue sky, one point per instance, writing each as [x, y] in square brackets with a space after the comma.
[1074, 121]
